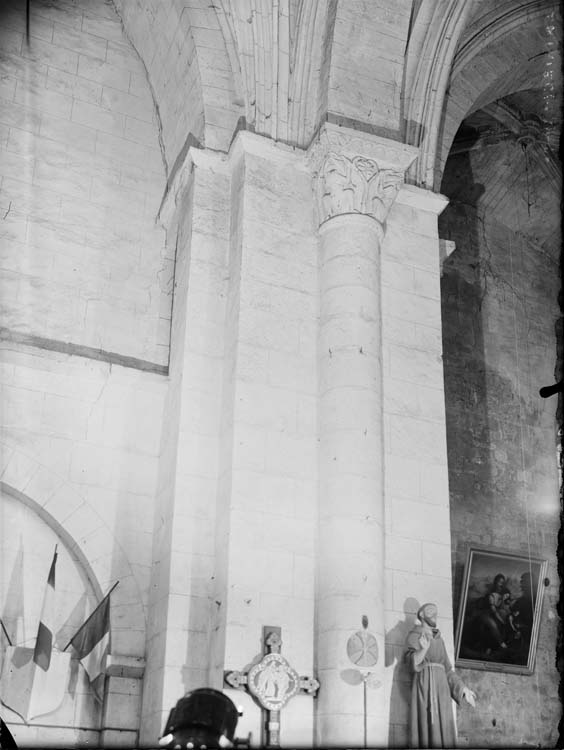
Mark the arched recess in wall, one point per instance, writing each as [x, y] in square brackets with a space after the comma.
[30, 534]
[90, 542]
[192, 69]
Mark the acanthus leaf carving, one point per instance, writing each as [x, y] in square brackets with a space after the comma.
[355, 184]
[356, 172]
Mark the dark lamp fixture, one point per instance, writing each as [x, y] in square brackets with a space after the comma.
[201, 720]
[550, 390]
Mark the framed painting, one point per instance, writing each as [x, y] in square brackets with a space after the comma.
[500, 610]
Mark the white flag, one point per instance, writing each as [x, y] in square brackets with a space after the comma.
[28, 689]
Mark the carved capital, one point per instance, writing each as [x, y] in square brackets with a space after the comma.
[347, 185]
[356, 173]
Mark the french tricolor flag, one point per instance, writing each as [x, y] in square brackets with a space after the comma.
[91, 643]
[34, 680]
[44, 641]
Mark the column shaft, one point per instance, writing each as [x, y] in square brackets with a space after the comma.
[351, 504]
[356, 179]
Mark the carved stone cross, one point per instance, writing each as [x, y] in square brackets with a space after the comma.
[272, 682]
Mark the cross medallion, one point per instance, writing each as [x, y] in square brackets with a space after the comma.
[272, 682]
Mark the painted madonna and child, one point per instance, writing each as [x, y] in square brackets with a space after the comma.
[498, 624]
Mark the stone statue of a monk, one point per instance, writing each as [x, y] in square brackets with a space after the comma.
[434, 684]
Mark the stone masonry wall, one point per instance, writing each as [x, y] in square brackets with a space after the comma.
[80, 439]
[417, 541]
[189, 70]
[81, 181]
[182, 603]
[267, 468]
[367, 62]
[499, 311]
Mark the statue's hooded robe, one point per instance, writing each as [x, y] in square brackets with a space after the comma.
[435, 683]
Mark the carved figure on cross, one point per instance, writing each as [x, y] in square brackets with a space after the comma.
[272, 682]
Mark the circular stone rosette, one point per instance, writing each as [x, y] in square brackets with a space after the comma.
[273, 682]
[362, 649]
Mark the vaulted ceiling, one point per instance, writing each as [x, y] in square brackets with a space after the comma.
[509, 52]
[504, 111]
[281, 68]
[509, 172]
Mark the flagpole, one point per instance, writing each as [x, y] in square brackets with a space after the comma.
[91, 615]
[6, 632]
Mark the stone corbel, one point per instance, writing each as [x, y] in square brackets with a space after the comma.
[119, 665]
[356, 173]
[194, 157]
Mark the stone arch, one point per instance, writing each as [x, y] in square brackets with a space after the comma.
[499, 53]
[220, 75]
[191, 66]
[72, 547]
[311, 58]
[455, 65]
[30, 535]
[433, 40]
[259, 42]
[85, 534]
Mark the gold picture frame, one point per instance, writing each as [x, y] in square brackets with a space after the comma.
[500, 610]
